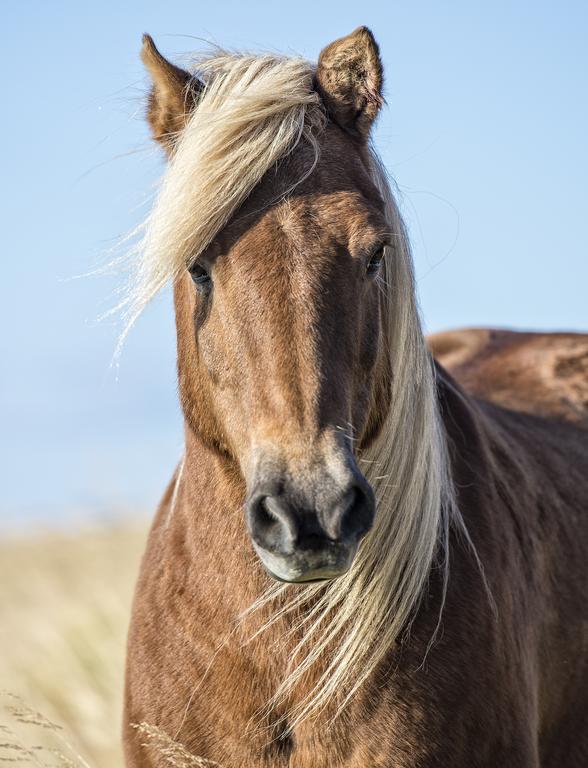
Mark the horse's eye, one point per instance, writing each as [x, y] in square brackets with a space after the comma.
[376, 261]
[200, 276]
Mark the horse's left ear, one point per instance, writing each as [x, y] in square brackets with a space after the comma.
[349, 79]
[173, 97]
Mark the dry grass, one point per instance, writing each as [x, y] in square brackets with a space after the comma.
[64, 610]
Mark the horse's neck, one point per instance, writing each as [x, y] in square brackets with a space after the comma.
[490, 464]
[209, 516]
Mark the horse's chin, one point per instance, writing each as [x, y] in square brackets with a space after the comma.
[308, 567]
[306, 579]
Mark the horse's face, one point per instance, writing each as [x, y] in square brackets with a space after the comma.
[279, 338]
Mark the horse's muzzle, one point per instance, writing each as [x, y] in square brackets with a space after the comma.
[298, 540]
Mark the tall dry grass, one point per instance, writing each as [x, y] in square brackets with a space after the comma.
[64, 611]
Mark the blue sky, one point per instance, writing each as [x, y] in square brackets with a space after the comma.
[485, 132]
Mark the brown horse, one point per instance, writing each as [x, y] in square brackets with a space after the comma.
[438, 543]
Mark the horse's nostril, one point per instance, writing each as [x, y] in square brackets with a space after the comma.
[346, 522]
[266, 518]
[271, 523]
[355, 514]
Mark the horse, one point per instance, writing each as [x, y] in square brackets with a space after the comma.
[357, 563]
[541, 373]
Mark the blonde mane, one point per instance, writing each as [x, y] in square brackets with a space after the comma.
[253, 112]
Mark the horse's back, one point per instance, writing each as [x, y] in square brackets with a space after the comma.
[541, 373]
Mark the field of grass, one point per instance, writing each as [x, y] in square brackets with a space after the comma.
[64, 610]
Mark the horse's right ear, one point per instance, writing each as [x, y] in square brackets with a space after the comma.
[349, 79]
[173, 96]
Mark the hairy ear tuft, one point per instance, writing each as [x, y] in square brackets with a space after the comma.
[349, 78]
[174, 95]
